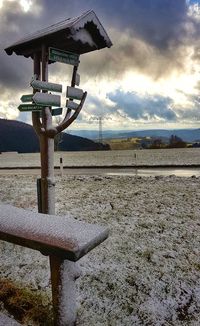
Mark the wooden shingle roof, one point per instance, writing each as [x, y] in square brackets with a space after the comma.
[81, 34]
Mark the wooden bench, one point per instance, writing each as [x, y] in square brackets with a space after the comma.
[64, 239]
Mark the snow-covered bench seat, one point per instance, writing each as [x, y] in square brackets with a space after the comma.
[64, 239]
[53, 235]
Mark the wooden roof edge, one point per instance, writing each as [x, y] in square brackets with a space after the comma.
[73, 24]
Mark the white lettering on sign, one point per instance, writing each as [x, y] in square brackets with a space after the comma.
[63, 56]
[29, 107]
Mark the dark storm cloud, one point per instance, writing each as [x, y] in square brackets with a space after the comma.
[149, 36]
[158, 22]
[15, 71]
[189, 114]
[132, 55]
[16, 23]
[146, 107]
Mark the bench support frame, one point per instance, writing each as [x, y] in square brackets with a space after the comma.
[64, 239]
[63, 276]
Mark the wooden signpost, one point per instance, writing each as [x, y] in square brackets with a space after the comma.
[57, 111]
[63, 42]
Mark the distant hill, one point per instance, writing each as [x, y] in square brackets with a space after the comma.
[16, 136]
[188, 135]
[94, 134]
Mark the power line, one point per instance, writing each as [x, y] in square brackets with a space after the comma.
[100, 121]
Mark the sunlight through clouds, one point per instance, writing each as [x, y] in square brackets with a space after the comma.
[194, 10]
[26, 4]
[155, 58]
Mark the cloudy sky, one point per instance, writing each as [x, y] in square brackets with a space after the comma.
[149, 78]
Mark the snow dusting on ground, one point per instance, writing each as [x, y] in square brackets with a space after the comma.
[147, 272]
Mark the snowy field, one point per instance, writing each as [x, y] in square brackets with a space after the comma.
[147, 272]
[179, 156]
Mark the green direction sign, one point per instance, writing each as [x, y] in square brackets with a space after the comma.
[26, 98]
[56, 111]
[63, 56]
[29, 107]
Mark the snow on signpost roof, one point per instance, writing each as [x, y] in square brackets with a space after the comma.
[80, 34]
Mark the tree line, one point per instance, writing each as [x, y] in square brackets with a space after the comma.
[174, 142]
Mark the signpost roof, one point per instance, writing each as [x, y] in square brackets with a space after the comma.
[81, 34]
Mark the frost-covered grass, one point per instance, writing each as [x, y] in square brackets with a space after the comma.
[186, 156]
[147, 272]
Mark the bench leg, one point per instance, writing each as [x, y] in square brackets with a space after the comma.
[63, 275]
